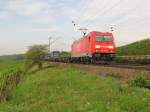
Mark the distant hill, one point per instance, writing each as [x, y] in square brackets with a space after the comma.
[137, 48]
[10, 59]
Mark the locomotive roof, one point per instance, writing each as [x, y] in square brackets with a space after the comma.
[92, 32]
[100, 32]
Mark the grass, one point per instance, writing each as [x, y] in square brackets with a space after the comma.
[9, 59]
[65, 89]
[140, 81]
[10, 62]
[115, 75]
[11, 70]
[136, 48]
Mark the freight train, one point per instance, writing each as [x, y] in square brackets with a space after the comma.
[96, 46]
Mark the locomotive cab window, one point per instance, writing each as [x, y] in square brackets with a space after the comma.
[103, 39]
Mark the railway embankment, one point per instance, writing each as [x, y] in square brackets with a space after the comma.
[64, 87]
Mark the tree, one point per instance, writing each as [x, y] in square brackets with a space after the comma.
[35, 55]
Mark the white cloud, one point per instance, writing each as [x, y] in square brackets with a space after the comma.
[3, 14]
[38, 11]
[58, 30]
[130, 18]
[43, 19]
[125, 15]
[27, 7]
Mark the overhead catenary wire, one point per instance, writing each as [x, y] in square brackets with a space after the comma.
[105, 11]
[83, 30]
[139, 15]
[125, 13]
[101, 10]
[135, 9]
[119, 21]
[86, 14]
[129, 11]
[82, 8]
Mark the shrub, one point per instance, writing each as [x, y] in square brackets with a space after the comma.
[35, 55]
[140, 81]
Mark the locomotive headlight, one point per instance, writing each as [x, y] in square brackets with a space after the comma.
[111, 47]
[97, 46]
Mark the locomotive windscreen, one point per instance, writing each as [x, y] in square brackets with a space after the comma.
[103, 39]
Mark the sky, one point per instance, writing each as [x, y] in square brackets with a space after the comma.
[28, 22]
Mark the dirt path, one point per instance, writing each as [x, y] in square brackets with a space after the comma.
[123, 74]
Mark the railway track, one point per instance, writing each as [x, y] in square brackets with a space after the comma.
[117, 65]
[128, 66]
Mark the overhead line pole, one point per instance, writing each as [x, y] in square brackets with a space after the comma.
[51, 42]
[49, 39]
[83, 30]
[112, 29]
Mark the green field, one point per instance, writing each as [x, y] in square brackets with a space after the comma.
[10, 61]
[137, 48]
[65, 89]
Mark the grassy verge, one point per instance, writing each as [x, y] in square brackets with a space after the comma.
[136, 48]
[65, 89]
[10, 62]
[11, 70]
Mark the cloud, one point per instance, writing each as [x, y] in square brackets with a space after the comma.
[46, 29]
[129, 18]
[97, 12]
[27, 7]
[38, 11]
[3, 14]
[39, 18]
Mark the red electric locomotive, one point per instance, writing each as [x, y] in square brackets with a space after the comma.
[95, 46]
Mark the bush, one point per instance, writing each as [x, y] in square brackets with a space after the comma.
[34, 56]
[140, 81]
